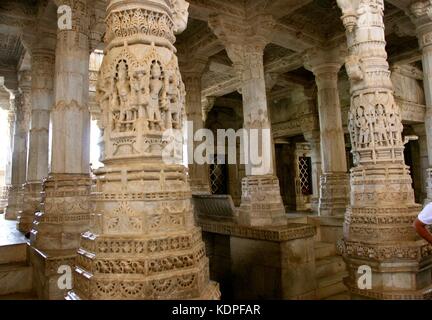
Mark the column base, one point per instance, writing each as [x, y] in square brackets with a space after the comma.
[212, 292]
[15, 201]
[400, 271]
[428, 186]
[4, 196]
[198, 187]
[261, 203]
[65, 215]
[31, 205]
[334, 194]
[142, 268]
[378, 233]
[46, 272]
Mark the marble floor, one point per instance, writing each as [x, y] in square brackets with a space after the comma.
[9, 235]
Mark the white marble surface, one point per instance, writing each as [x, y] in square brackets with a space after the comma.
[9, 233]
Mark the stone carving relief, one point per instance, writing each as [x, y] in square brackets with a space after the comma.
[144, 97]
[376, 127]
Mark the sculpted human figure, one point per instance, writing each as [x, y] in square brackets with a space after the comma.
[123, 90]
[173, 94]
[395, 127]
[156, 89]
[380, 126]
[363, 126]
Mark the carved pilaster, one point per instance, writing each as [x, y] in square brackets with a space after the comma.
[382, 209]
[143, 243]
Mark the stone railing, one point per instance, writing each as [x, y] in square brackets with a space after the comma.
[215, 207]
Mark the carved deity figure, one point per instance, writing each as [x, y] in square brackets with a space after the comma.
[370, 13]
[362, 124]
[123, 91]
[156, 102]
[381, 133]
[140, 89]
[395, 127]
[173, 96]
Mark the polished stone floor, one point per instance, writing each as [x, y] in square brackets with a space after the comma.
[9, 234]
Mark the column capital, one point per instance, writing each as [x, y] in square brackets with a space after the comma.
[353, 9]
[243, 38]
[325, 61]
[271, 78]
[421, 15]
[193, 65]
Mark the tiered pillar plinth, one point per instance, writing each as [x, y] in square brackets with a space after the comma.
[65, 214]
[334, 194]
[4, 198]
[14, 202]
[31, 205]
[261, 203]
[143, 244]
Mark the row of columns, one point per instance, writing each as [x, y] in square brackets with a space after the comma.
[379, 181]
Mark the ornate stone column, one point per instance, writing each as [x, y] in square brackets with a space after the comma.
[143, 242]
[378, 231]
[56, 231]
[334, 186]
[421, 14]
[245, 41]
[21, 104]
[9, 151]
[192, 72]
[305, 100]
[42, 101]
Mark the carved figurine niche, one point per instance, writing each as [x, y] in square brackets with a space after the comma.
[157, 100]
[174, 116]
[124, 112]
[141, 95]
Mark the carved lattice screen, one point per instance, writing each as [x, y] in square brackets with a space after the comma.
[305, 171]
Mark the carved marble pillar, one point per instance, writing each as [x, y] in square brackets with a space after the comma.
[192, 72]
[22, 105]
[245, 41]
[313, 137]
[420, 131]
[304, 99]
[42, 102]
[8, 167]
[334, 186]
[378, 230]
[143, 242]
[65, 215]
[8, 172]
[421, 14]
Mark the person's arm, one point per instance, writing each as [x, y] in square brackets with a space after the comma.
[422, 231]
